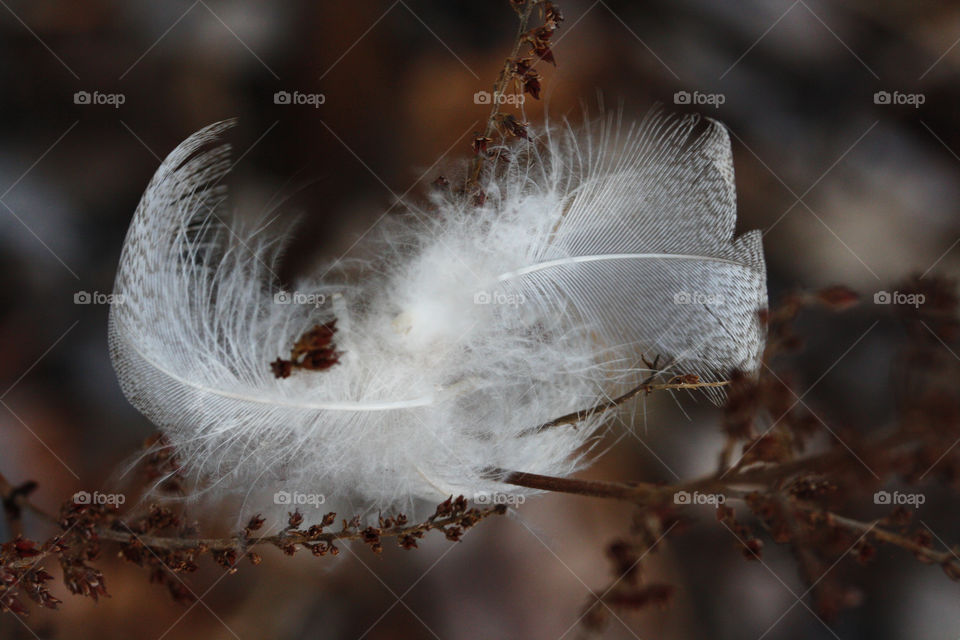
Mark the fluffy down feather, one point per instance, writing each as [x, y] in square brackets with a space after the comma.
[471, 326]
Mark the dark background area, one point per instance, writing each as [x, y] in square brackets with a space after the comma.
[847, 191]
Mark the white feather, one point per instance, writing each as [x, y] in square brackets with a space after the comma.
[471, 326]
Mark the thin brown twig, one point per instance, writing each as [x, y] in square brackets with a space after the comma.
[500, 86]
[650, 494]
[873, 530]
[592, 488]
[645, 387]
[299, 537]
[646, 493]
[282, 540]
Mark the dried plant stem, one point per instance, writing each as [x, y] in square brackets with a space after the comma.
[239, 543]
[500, 86]
[650, 493]
[591, 488]
[646, 386]
[284, 540]
[873, 530]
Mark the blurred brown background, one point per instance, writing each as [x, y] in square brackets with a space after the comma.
[848, 190]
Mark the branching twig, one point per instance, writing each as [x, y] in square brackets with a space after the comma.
[759, 475]
[650, 495]
[500, 87]
[119, 532]
[873, 530]
[689, 382]
[82, 528]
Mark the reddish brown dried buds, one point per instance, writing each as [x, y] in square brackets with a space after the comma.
[313, 351]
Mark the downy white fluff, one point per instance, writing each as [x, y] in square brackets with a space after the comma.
[472, 326]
